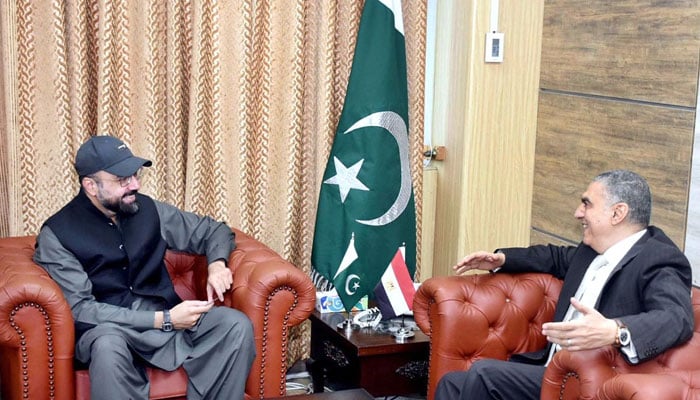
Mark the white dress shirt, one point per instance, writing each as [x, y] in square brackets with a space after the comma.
[593, 282]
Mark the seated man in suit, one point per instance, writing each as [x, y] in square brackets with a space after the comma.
[625, 285]
[105, 249]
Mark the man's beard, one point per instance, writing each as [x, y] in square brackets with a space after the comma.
[118, 206]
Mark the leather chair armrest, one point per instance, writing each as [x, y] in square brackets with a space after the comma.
[579, 374]
[259, 274]
[36, 328]
[276, 296]
[661, 386]
[482, 316]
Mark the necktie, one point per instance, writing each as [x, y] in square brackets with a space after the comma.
[590, 287]
[587, 293]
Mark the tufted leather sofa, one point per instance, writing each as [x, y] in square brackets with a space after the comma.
[496, 315]
[36, 325]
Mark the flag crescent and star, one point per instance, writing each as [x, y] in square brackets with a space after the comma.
[366, 209]
[397, 127]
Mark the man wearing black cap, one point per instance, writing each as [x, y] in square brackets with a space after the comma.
[105, 249]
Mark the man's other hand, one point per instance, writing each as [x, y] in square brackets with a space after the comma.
[590, 331]
[482, 260]
[219, 281]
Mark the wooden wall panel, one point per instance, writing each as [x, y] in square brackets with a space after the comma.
[537, 237]
[579, 137]
[632, 49]
[485, 115]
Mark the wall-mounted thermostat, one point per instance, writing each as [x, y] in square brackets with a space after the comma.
[494, 47]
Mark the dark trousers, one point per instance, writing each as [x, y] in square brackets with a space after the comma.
[492, 379]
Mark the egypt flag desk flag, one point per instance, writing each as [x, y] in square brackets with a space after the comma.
[366, 209]
[394, 292]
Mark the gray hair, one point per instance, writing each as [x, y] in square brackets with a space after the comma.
[624, 186]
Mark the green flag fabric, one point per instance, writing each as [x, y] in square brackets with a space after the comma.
[366, 209]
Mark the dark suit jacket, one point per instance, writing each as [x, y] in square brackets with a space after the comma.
[649, 290]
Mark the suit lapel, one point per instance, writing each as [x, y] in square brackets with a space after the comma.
[573, 278]
[632, 253]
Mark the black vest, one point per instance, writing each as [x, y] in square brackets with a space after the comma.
[121, 262]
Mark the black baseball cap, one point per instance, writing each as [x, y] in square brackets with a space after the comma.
[107, 153]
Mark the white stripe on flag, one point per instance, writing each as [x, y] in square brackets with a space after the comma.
[398, 285]
[395, 7]
[349, 257]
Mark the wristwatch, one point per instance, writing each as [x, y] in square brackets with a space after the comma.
[167, 323]
[622, 338]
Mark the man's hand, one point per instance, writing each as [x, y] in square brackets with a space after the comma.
[480, 260]
[219, 281]
[591, 331]
[186, 314]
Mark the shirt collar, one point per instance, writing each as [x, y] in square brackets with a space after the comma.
[615, 253]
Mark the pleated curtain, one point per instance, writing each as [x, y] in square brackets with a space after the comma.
[235, 102]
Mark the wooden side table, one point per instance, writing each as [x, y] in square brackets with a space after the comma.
[366, 358]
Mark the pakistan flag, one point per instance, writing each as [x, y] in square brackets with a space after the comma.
[366, 209]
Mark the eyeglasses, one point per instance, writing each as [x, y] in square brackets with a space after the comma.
[124, 181]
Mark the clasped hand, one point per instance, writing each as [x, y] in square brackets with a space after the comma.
[592, 330]
[186, 314]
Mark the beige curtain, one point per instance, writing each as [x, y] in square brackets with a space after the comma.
[236, 102]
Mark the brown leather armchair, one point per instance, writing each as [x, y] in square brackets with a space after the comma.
[496, 315]
[37, 334]
[470, 317]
